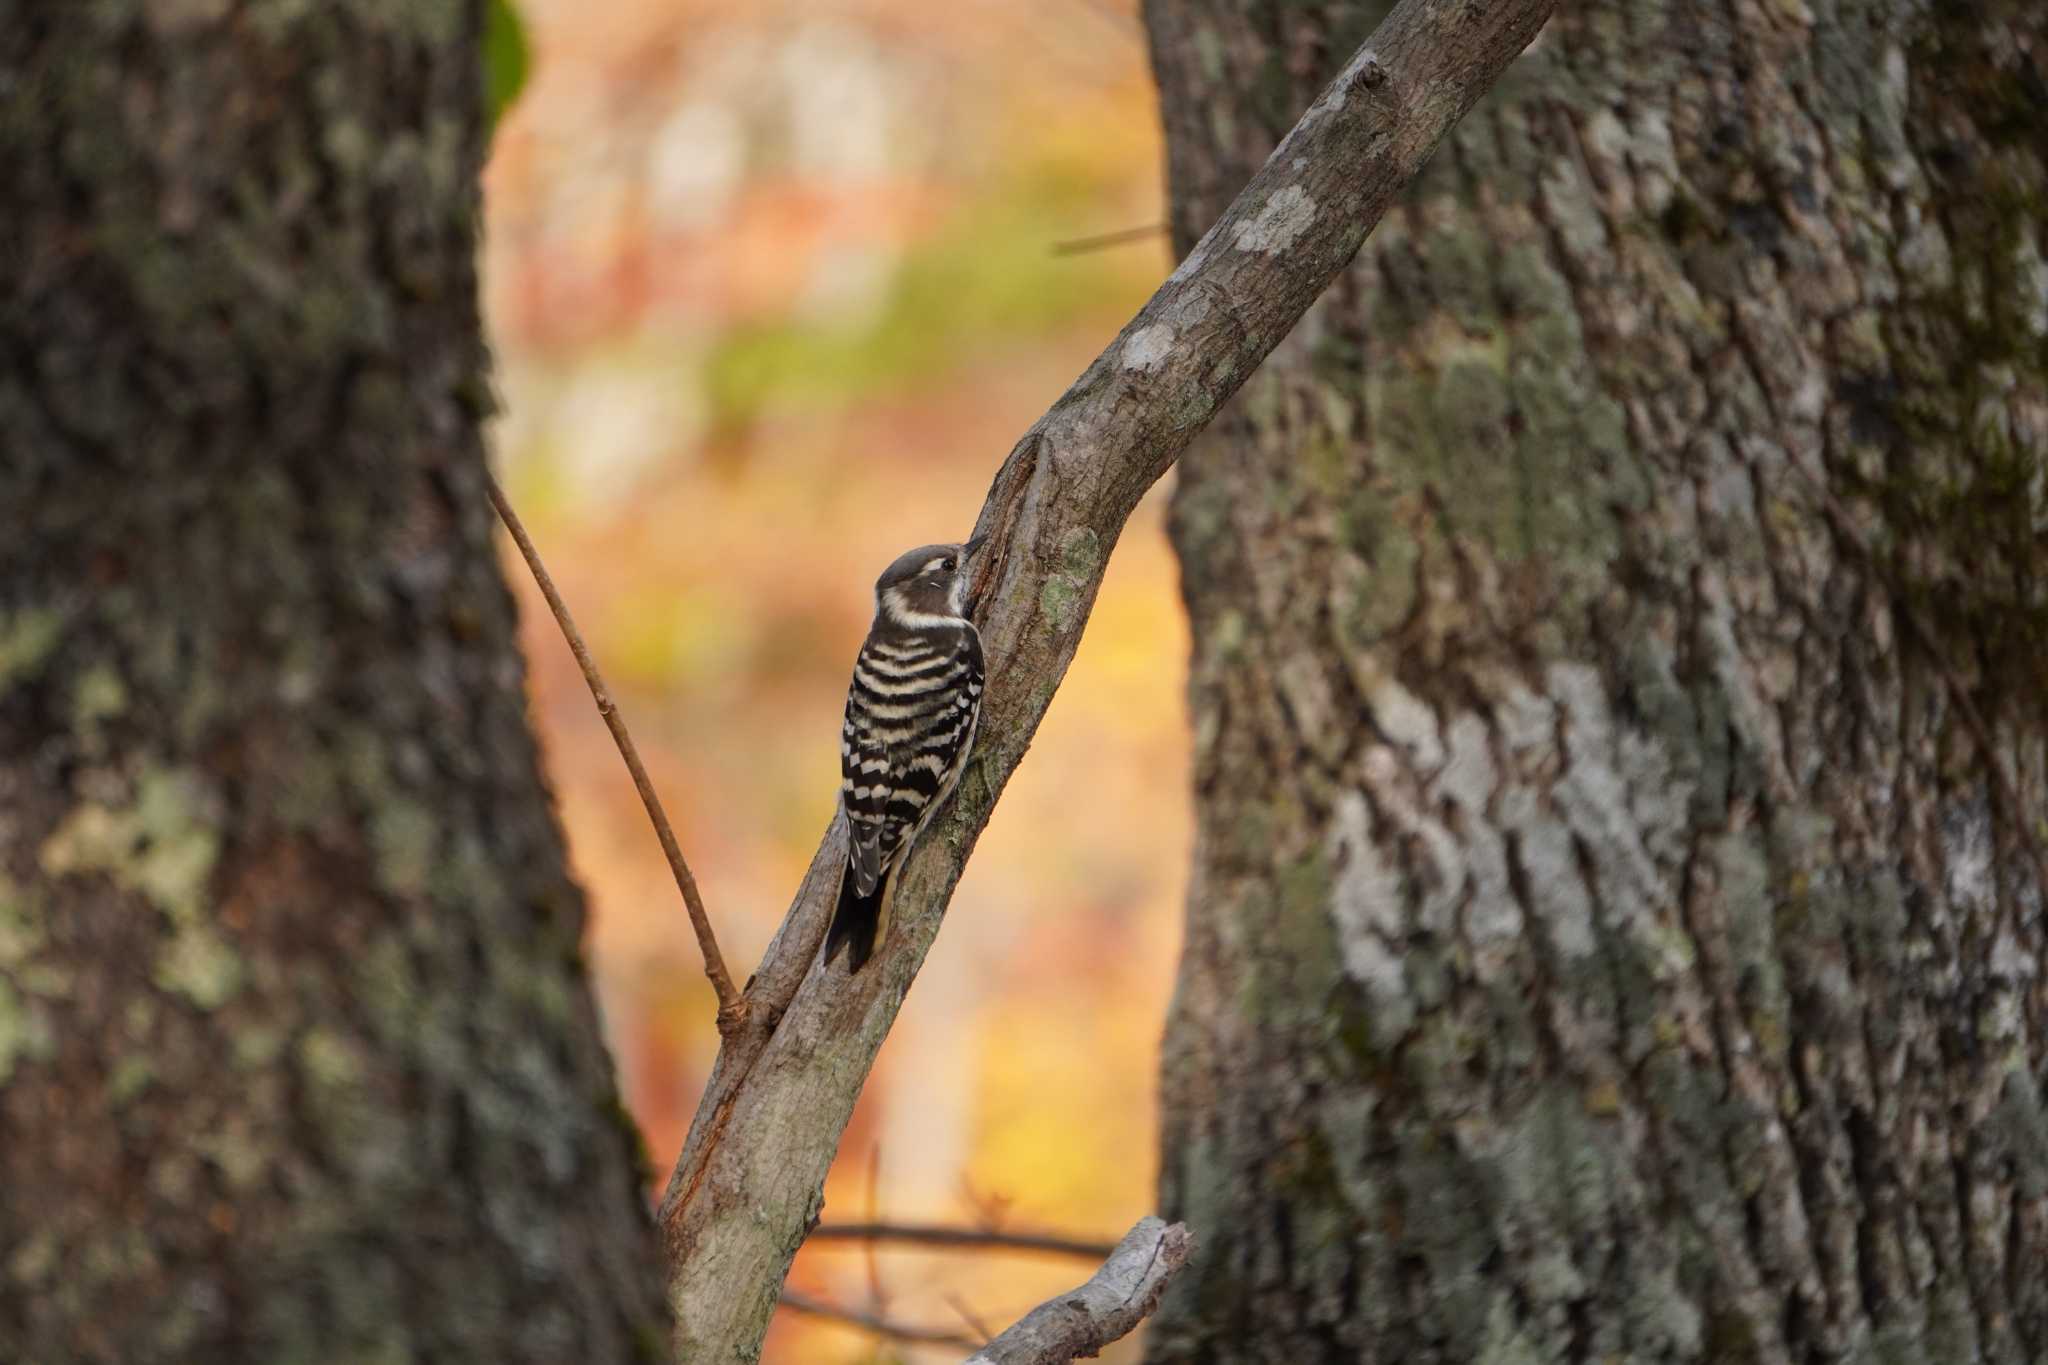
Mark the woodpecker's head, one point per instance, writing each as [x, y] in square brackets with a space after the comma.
[928, 582]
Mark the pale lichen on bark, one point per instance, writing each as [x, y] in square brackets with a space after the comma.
[1610, 935]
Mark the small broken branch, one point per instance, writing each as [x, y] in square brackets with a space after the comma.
[1080, 1322]
[731, 1007]
[942, 1235]
[1107, 1308]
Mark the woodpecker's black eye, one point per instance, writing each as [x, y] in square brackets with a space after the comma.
[946, 565]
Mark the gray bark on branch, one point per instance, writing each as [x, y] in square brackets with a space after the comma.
[1107, 1308]
[748, 1183]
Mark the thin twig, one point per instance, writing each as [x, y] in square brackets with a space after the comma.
[732, 1008]
[880, 1326]
[1075, 246]
[970, 1317]
[874, 1264]
[942, 1235]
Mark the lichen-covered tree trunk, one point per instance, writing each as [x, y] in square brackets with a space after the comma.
[1620, 651]
[297, 1057]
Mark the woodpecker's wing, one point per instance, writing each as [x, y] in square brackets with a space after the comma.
[909, 718]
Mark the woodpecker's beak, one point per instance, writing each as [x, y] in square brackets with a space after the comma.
[977, 573]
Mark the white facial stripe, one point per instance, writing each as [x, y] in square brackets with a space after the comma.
[897, 603]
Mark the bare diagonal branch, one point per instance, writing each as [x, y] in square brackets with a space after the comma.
[749, 1179]
[731, 1006]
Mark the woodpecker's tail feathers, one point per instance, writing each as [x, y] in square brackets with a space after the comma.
[864, 862]
[856, 923]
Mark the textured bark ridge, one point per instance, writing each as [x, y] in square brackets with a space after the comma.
[297, 1059]
[1619, 643]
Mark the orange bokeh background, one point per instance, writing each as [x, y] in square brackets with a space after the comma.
[773, 289]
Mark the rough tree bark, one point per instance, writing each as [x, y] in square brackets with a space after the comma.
[297, 1056]
[1618, 685]
[747, 1184]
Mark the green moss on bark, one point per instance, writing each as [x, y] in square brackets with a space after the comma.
[284, 916]
[1679, 450]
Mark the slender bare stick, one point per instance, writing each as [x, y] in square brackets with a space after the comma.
[1107, 1308]
[942, 1235]
[875, 1295]
[732, 1007]
[970, 1317]
[880, 1326]
[1075, 246]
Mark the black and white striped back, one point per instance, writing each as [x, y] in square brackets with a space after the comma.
[910, 721]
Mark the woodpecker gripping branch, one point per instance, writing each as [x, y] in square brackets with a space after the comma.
[910, 720]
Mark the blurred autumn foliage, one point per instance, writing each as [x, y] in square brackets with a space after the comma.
[773, 290]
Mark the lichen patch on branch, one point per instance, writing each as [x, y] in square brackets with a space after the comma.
[1286, 216]
[1146, 349]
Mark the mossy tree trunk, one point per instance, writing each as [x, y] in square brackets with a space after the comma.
[297, 1056]
[1620, 651]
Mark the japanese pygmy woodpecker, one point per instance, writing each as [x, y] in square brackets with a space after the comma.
[910, 721]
